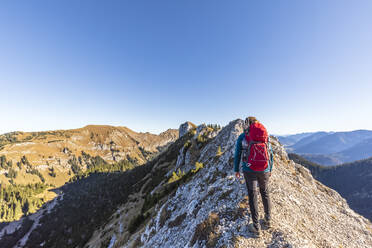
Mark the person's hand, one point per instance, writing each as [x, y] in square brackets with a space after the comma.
[237, 175]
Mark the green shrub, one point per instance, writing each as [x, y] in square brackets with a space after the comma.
[187, 144]
[176, 176]
[198, 166]
[219, 152]
[52, 172]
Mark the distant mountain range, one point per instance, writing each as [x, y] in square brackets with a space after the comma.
[330, 148]
[352, 180]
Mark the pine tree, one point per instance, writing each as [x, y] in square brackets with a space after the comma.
[3, 161]
[19, 164]
[17, 210]
[52, 172]
[9, 214]
[26, 207]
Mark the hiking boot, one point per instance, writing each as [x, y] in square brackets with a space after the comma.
[254, 230]
[266, 223]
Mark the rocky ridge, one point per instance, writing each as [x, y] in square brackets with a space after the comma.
[210, 209]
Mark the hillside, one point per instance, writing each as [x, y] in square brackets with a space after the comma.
[309, 140]
[208, 208]
[289, 140]
[359, 151]
[33, 164]
[62, 149]
[352, 180]
[362, 150]
[324, 159]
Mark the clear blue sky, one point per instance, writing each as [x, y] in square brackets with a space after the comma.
[151, 65]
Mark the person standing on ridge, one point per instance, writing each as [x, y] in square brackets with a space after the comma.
[254, 149]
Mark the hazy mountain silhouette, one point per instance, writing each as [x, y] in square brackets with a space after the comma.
[331, 148]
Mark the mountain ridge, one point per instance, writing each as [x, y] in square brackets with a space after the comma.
[188, 196]
[210, 209]
[53, 149]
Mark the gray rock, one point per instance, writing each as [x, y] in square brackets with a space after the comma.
[200, 128]
[185, 127]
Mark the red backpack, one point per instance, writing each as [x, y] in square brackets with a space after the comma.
[257, 155]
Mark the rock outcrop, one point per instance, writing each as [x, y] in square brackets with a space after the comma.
[185, 127]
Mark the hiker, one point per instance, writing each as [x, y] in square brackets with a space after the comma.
[254, 149]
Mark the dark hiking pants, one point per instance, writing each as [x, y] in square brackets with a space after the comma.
[262, 179]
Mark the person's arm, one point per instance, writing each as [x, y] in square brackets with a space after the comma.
[238, 153]
[271, 158]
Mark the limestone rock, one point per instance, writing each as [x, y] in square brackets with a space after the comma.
[185, 127]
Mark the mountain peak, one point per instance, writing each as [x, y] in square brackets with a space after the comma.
[185, 127]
